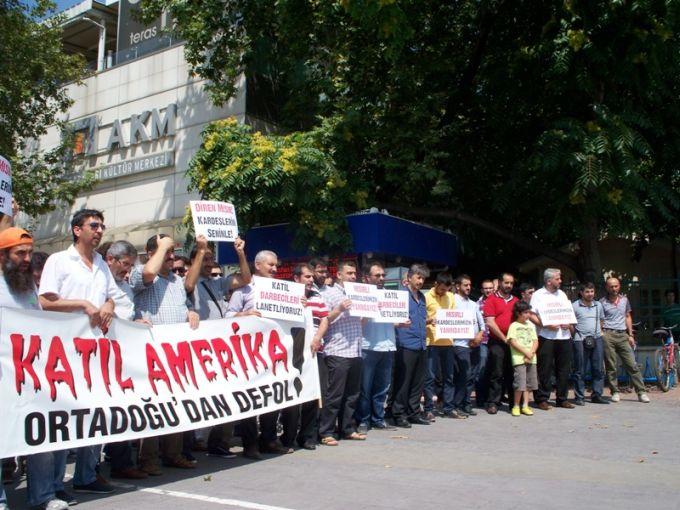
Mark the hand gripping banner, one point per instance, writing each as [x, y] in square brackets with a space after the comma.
[65, 385]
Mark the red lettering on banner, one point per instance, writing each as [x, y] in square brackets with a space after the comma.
[227, 362]
[180, 363]
[199, 346]
[125, 384]
[86, 347]
[277, 352]
[253, 351]
[236, 344]
[155, 369]
[55, 355]
[104, 354]
[25, 364]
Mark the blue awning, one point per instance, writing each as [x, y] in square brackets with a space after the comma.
[375, 232]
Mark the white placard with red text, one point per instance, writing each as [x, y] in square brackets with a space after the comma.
[455, 324]
[279, 299]
[555, 311]
[215, 220]
[5, 187]
[364, 299]
[393, 305]
[64, 385]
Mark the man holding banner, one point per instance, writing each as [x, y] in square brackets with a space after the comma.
[554, 316]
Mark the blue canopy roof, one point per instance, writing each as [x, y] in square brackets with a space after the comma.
[373, 232]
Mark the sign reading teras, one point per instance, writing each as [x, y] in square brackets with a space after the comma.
[215, 220]
[5, 187]
[279, 299]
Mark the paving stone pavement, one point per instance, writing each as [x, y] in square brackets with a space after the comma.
[620, 456]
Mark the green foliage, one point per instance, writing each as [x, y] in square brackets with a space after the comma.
[543, 117]
[33, 70]
[276, 179]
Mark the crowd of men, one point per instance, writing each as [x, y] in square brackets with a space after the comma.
[373, 375]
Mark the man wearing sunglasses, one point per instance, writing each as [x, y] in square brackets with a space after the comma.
[79, 280]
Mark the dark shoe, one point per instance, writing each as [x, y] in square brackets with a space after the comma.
[221, 451]
[491, 409]
[199, 446]
[598, 399]
[252, 453]
[151, 470]
[470, 411]
[129, 474]
[456, 415]
[94, 488]
[381, 425]
[419, 420]
[179, 463]
[565, 404]
[276, 448]
[308, 445]
[429, 416]
[190, 458]
[65, 496]
[580, 402]
[544, 406]
[403, 423]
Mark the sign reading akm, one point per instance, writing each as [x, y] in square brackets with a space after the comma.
[135, 166]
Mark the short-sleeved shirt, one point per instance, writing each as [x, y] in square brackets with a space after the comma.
[319, 309]
[435, 303]
[66, 275]
[463, 303]
[242, 300]
[125, 306]
[480, 305]
[588, 319]
[378, 336]
[524, 335]
[539, 297]
[500, 309]
[204, 305]
[344, 336]
[162, 301]
[615, 313]
[25, 300]
[413, 337]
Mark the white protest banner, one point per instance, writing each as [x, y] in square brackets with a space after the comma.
[215, 220]
[64, 386]
[364, 299]
[455, 324]
[279, 299]
[393, 305]
[555, 310]
[5, 187]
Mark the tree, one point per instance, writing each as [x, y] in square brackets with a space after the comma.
[537, 123]
[33, 71]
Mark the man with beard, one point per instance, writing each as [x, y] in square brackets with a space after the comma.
[45, 471]
[78, 280]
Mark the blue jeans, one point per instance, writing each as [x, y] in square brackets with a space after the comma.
[588, 360]
[442, 357]
[87, 458]
[376, 375]
[478, 357]
[463, 379]
[45, 475]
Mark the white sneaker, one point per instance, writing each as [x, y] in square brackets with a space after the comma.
[642, 397]
[56, 504]
[3, 506]
[616, 397]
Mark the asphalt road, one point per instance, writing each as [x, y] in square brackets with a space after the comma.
[620, 456]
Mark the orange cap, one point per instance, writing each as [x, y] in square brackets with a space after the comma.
[14, 236]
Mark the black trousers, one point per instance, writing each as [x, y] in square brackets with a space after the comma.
[409, 379]
[121, 455]
[341, 396]
[553, 356]
[301, 423]
[499, 371]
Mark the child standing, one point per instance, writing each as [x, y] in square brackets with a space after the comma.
[523, 345]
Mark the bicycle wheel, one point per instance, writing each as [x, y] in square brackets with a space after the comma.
[663, 369]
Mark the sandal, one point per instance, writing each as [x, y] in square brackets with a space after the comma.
[355, 436]
[329, 441]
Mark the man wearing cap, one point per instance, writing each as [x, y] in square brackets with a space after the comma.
[78, 280]
[45, 471]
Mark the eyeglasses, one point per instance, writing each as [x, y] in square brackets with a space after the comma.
[216, 275]
[179, 270]
[379, 275]
[95, 225]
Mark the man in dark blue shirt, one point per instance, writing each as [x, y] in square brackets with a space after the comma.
[411, 356]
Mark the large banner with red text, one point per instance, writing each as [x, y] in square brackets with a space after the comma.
[65, 385]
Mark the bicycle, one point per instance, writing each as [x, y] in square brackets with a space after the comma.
[666, 358]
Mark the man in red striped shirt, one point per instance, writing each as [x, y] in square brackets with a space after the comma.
[309, 411]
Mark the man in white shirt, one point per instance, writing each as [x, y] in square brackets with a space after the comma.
[78, 280]
[554, 345]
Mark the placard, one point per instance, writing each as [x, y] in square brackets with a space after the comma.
[554, 311]
[455, 324]
[279, 299]
[393, 305]
[364, 299]
[215, 220]
[5, 187]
